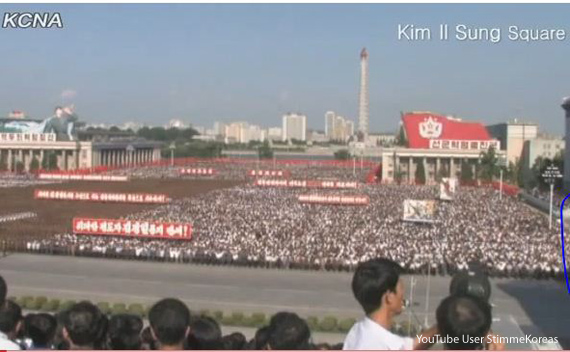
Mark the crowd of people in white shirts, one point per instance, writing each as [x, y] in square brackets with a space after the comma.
[256, 226]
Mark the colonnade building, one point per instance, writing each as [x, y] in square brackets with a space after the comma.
[443, 144]
[22, 148]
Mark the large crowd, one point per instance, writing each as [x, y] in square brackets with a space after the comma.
[463, 321]
[240, 171]
[253, 226]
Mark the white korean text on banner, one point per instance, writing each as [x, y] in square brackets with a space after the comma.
[145, 198]
[198, 171]
[69, 177]
[268, 173]
[334, 199]
[306, 183]
[132, 228]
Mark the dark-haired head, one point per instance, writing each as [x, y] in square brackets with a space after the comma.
[124, 332]
[170, 322]
[376, 284]
[3, 290]
[83, 325]
[466, 318]
[234, 341]
[205, 334]
[40, 328]
[10, 319]
[287, 331]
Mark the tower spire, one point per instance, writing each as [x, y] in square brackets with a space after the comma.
[363, 96]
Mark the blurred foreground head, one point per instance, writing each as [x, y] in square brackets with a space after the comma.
[466, 319]
[170, 323]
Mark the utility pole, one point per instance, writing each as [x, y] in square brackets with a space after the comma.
[550, 175]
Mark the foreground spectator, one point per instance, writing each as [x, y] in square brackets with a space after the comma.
[205, 334]
[465, 323]
[3, 290]
[82, 326]
[287, 331]
[234, 341]
[10, 325]
[124, 332]
[377, 286]
[40, 329]
[170, 323]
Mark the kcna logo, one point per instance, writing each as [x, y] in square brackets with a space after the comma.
[430, 128]
[32, 20]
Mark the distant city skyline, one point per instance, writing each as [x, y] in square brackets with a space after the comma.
[204, 63]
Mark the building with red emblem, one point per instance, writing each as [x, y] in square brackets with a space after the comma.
[443, 144]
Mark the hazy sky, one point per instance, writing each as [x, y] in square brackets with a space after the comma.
[202, 63]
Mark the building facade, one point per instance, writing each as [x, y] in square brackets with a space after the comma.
[338, 128]
[16, 148]
[443, 145]
[513, 135]
[294, 127]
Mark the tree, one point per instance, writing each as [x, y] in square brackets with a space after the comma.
[401, 140]
[342, 154]
[264, 151]
[34, 164]
[489, 165]
[466, 172]
[398, 175]
[420, 173]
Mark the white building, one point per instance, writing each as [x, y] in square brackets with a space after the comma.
[175, 123]
[338, 128]
[275, 133]
[220, 129]
[513, 135]
[294, 127]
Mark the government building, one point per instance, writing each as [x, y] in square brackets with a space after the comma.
[22, 140]
[441, 143]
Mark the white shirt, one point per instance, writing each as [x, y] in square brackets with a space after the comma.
[369, 335]
[6, 344]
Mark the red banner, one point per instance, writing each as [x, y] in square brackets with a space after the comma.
[145, 198]
[306, 184]
[271, 173]
[197, 171]
[335, 199]
[132, 228]
[71, 177]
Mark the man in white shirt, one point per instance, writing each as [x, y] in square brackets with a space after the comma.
[380, 291]
[10, 324]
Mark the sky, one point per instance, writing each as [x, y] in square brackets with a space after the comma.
[204, 63]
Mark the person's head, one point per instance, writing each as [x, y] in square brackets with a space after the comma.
[234, 341]
[376, 285]
[124, 332]
[82, 325]
[40, 328]
[170, 322]
[205, 334]
[465, 318]
[10, 319]
[287, 331]
[3, 290]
